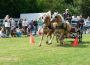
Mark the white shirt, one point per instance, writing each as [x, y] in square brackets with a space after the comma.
[1, 34]
[18, 30]
[24, 23]
[7, 24]
[13, 23]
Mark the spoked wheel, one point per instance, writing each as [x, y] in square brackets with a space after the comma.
[80, 37]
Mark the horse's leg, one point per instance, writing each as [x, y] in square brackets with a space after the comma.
[61, 39]
[81, 32]
[41, 40]
[50, 41]
[49, 35]
[47, 39]
[57, 38]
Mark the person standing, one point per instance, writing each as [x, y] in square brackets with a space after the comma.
[80, 23]
[35, 26]
[67, 16]
[7, 25]
[20, 23]
[25, 25]
[80, 27]
[40, 26]
[13, 27]
[30, 27]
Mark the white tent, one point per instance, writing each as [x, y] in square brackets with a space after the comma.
[31, 16]
[34, 16]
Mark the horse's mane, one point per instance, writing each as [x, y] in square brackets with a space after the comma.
[62, 23]
[47, 18]
[62, 18]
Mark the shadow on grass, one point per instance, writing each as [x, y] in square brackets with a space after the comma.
[85, 42]
[70, 45]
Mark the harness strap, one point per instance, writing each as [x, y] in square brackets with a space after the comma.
[61, 26]
[49, 26]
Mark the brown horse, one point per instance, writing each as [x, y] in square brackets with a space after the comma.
[47, 29]
[61, 30]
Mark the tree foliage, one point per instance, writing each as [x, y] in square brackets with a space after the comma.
[15, 7]
[85, 8]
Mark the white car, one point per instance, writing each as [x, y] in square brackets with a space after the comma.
[87, 23]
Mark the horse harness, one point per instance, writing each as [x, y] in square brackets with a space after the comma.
[62, 27]
[49, 26]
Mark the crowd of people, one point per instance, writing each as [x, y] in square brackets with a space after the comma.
[25, 27]
[11, 28]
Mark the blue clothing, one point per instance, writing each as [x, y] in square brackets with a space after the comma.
[40, 23]
[18, 34]
[80, 24]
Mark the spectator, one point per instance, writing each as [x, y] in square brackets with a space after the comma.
[30, 27]
[20, 23]
[35, 25]
[80, 23]
[18, 32]
[40, 23]
[13, 27]
[25, 24]
[7, 25]
[2, 35]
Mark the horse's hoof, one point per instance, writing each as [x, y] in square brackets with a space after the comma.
[40, 45]
[46, 42]
[64, 43]
[49, 43]
[61, 44]
[57, 42]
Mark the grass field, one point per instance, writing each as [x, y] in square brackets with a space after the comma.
[17, 51]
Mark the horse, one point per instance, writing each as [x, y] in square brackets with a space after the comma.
[61, 29]
[47, 29]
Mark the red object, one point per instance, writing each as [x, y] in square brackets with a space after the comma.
[75, 42]
[32, 40]
[72, 30]
[40, 31]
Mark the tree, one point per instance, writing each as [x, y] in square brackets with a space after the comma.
[15, 7]
[12, 7]
[85, 8]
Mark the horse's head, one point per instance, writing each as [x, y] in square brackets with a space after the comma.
[60, 24]
[57, 21]
[47, 20]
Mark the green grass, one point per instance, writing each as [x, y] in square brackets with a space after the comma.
[17, 51]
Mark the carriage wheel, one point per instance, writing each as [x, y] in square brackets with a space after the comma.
[80, 37]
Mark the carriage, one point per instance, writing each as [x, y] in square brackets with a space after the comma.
[67, 30]
[76, 32]
[60, 30]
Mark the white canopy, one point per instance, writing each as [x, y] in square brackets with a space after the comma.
[34, 16]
